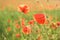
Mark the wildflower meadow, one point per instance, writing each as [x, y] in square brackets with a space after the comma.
[24, 24]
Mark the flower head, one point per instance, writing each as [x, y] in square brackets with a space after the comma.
[23, 8]
[18, 35]
[26, 30]
[39, 18]
[58, 23]
[8, 29]
[23, 22]
[31, 22]
[17, 26]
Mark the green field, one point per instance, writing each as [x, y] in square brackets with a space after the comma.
[12, 16]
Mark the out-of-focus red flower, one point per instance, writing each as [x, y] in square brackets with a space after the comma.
[53, 26]
[39, 18]
[18, 26]
[8, 29]
[26, 30]
[31, 22]
[18, 35]
[23, 8]
[23, 22]
[58, 23]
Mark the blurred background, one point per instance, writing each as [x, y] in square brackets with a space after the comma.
[33, 4]
[12, 22]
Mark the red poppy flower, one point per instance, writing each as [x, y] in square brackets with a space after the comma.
[17, 35]
[58, 23]
[24, 8]
[31, 22]
[39, 18]
[18, 26]
[26, 30]
[8, 29]
[23, 22]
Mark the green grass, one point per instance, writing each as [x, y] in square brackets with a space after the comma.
[15, 15]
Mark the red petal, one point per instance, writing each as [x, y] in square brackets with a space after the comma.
[40, 18]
